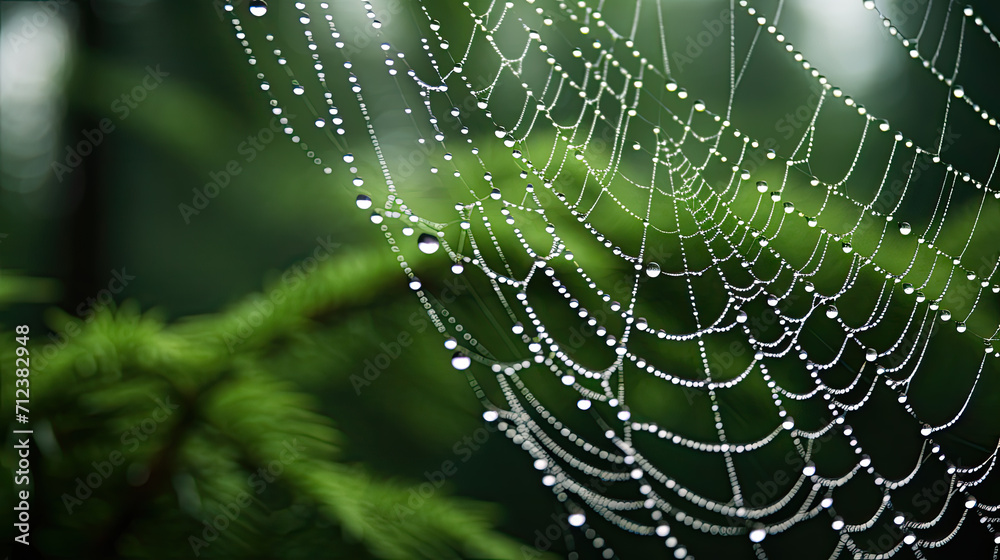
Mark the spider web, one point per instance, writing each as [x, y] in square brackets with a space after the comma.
[709, 339]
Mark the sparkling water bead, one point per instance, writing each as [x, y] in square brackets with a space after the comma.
[904, 228]
[460, 361]
[428, 244]
[258, 7]
[652, 269]
[832, 312]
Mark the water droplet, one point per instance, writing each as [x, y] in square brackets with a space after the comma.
[832, 312]
[428, 243]
[762, 186]
[298, 89]
[871, 354]
[904, 228]
[583, 404]
[699, 105]
[846, 247]
[577, 519]
[450, 343]
[518, 328]
[758, 534]
[809, 469]
[907, 289]
[741, 317]
[959, 92]
[652, 269]
[745, 175]
[495, 194]
[364, 202]
[258, 7]
[960, 326]
[945, 315]
[869, 4]
[771, 154]
[460, 361]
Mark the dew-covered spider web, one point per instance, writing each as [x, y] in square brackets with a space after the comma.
[726, 309]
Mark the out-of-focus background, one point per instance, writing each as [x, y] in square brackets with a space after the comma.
[183, 339]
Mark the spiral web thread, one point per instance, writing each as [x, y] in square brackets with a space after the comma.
[602, 133]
